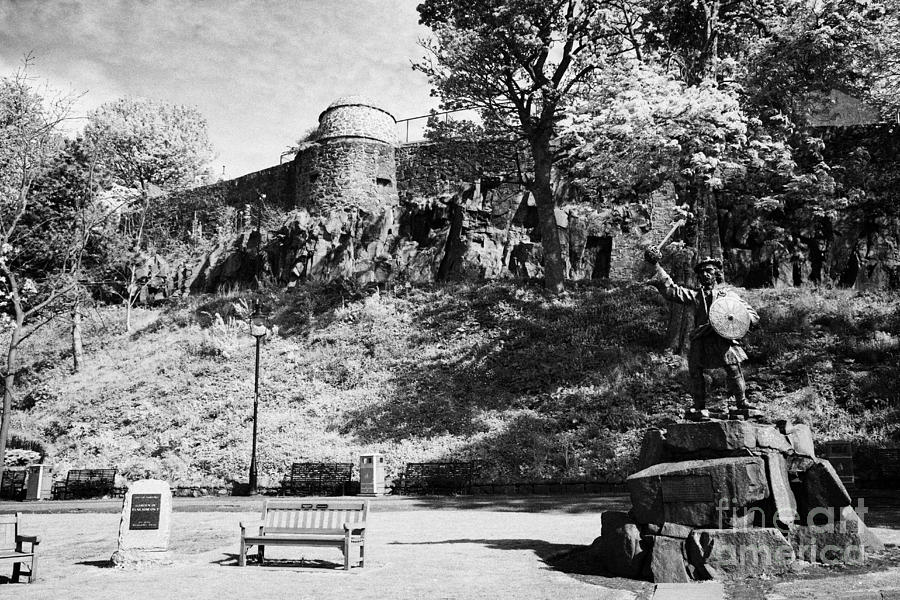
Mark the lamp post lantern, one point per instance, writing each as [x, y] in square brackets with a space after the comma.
[259, 326]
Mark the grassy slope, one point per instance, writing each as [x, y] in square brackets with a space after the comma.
[535, 387]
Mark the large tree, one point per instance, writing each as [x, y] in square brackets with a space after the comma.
[519, 62]
[150, 147]
[144, 142]
[30, 296]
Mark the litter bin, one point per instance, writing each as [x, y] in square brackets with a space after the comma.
[371, 475]
[40, 482]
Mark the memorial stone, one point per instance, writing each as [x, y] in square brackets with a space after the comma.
[692, 492]
[728, 500]
[145, 524]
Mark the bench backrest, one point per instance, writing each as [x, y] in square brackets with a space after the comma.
[439, 477]
[9, 527]
[99, 476]
[315, 515]
[12, 485]
[308, 471]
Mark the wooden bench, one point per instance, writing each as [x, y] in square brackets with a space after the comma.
[314, 522]
[12, 485]
[317, 479]
[87, 483]
[12, 549]
[438, 478]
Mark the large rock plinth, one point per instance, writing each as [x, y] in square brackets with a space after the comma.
[731, 499]
[699, 493]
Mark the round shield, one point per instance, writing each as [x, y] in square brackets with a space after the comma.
[729, 317]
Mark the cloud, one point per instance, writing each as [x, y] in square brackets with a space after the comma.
[260, 71]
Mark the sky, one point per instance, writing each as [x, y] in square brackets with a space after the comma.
[260, 71]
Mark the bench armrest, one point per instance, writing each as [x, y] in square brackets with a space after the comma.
[34, 539]
[354, 526]
[252, 525]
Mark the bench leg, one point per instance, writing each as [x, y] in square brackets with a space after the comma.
[362, 554]
[32, 574]
[261, 553]
[242, 558]
[347, 548]
[17, 570]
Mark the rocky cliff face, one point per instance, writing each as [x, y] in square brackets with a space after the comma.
[478, 231]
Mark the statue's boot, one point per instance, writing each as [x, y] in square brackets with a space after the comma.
[738, 387]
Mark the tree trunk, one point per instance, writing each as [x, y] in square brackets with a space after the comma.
[9, 382]
[77, 345]
[554, 263]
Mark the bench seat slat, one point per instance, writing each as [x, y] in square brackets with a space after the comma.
[6, 554]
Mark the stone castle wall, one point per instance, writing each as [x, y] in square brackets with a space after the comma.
[428, 169]
[344, 173]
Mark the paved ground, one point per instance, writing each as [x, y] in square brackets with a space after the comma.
[417, 548]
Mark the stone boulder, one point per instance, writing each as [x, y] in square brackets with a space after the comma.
[730, 554]
[720, 436]
[619, 545]
[844, 539]
[668, 562]
[782, 503]
[824, 488]
[698, 493]
[768, 436]
[800, 437]
[653, 449]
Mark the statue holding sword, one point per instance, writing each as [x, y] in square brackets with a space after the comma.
[721, 319]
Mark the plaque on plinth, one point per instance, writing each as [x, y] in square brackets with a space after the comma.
[145, 525]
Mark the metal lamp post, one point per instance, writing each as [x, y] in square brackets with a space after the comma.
[259, 326]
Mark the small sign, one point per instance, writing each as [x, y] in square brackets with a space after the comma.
[145, 511]
[696, 488]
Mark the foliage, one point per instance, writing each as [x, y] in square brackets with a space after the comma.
[144, 142]
[518, 62]
[645, 127]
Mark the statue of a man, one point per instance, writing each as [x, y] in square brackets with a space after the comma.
[708, 349]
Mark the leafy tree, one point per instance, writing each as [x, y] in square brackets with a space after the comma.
[144, 142]
[519, 62]
[29, 141]
[151, 147]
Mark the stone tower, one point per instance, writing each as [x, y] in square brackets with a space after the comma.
[352, 164]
